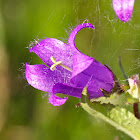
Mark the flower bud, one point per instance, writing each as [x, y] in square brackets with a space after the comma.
[123, 9]
[134, 84]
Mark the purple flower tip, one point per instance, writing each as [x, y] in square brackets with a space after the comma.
[68, 71]
[57, 101]
[123, 9]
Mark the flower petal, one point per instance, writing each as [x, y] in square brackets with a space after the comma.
[93, 90]
[68, 90]
[71, 40]
[95, 87]
[53, 47]
[80, 63]
[123, 9]
[88, 71]
[41, 77]
[93, 74]
[57, 101]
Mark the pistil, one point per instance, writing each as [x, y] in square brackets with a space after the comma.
[53, 67]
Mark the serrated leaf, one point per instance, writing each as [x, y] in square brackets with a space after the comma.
[120, 118]
[114, 99]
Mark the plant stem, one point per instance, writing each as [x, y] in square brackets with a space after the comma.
[136, 110]
[122, 70]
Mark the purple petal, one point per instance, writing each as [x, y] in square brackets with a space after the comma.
[95, 87]
[80, 63]
[88, 71]
[68, 90]
[93, 74]
[123, 9]
[71, 40]
[93, 90]
[53, 47]
[57, 101]
[41, 77]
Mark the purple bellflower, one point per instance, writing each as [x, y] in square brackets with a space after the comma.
[123, 9]
[68, 71]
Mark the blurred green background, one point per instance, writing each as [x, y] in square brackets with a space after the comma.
[24, 114]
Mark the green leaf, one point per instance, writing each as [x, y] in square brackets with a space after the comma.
[114, 99]
[120, 118]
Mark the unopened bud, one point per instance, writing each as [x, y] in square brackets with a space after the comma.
[134, 84]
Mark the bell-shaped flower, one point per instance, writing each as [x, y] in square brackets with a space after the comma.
[123, 9]
[67, 70]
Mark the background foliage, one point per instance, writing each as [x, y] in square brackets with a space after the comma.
[24, 114]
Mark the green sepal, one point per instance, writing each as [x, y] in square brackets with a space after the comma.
[119, 117]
